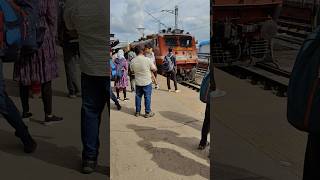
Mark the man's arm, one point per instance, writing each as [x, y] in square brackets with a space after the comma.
[153, 67]
[69, 15]
[174, 61]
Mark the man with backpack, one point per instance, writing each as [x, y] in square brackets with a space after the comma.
[113, 77]
[170, 69]
[131, 55]
[204, 97]
[10, 51]
[303, 101]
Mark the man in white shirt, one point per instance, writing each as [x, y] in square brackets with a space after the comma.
[149, 53]
[142, 68]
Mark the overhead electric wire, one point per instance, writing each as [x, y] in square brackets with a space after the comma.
[156, 19]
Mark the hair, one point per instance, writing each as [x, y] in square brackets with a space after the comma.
[170, 49]
[138, 50]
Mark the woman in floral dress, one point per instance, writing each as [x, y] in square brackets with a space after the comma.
[42, 66]
[121, 82]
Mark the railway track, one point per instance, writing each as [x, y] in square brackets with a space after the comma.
[199, 75]
[190, 85]
[270, 78]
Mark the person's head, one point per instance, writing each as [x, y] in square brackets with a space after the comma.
[127, 48]
[146, 50]
[120, 53]
[170, 50]
[138, 50]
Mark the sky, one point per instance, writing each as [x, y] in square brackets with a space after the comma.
[128, 15]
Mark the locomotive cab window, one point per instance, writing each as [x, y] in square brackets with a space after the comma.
[185, 41]
[171, 41]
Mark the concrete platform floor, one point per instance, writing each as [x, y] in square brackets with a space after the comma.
[251, 133]
[59, 145]
[162, 147]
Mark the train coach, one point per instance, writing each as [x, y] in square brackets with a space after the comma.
[299, 17]
[242, 30]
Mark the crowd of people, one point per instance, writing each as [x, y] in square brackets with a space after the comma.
[138, 66]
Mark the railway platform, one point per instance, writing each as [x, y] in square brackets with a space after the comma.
[251, 133]
[59, 145]
[161, 147]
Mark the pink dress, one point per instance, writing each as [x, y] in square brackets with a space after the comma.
[122, 64]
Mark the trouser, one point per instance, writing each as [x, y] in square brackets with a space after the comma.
[206, 126]
[132, 82]
[113, 97]
[312, 158]
[95, 95]
[70, 63]
[10, 111]
[146, 91]
[46, 92]
[124, 90]
[172, 75]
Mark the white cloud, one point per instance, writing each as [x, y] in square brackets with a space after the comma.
[127, 15]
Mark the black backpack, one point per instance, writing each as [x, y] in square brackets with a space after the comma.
[167, 64]
[303, 105]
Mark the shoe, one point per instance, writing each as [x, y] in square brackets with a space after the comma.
[126, 99]
[149, 115]
[203, 146]
[53, 119]
[119, 107]
[170, 90]
[72, 96]
[89, 166]
[177, 91]
[157, 87]
[26, 115]
[137, 114]
[30, 146]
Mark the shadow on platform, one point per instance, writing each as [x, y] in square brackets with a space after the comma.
[67, 157]
[182, 119]
[170, 159]
[227, 172]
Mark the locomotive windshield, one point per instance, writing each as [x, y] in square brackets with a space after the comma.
[186, 41]
[183, 41]
[171, 40]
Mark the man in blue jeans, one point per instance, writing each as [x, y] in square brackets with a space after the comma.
[142, 68]
[12, 115]
[95, 77]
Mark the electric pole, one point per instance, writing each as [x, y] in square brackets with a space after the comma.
[176, 17]
[175, 12]
[141, 30]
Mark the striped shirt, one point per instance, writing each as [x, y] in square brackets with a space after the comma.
[90, 20]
